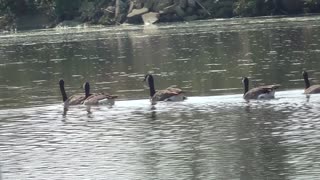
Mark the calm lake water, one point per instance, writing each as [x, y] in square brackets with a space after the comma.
[214, 134]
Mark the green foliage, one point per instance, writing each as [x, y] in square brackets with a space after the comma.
[94, 11]
[45, 6]
[87, 10]
[13, 6]
[67, 9]
[22, 7]
[312, 6]
[102, 11]
[253, 7]
[219, 9]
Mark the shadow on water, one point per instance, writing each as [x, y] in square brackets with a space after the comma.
[262, 153]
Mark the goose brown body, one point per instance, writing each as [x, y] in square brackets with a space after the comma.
[314, 89]
[72, 100]
[97, 98]
[256, 92]
[76, 99]
[261, 92]
[168, 94]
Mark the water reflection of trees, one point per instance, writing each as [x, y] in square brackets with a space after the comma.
[196, 144]
[262, 153]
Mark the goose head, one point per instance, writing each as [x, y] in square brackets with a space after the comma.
[245, 82]
[149, 79]
[305, 75]
[61, 83]
[306, 79]
[62, 90]
[86, 87]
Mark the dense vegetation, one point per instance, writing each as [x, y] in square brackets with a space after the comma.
[105, 11]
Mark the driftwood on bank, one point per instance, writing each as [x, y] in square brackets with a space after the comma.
[150, 18]
[137, 12]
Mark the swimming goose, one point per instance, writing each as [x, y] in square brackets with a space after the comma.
[314, 89]
[261, 92]
[97, 98]
[72, 100]
[169, 94]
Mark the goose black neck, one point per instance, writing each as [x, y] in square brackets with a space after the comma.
[306, 79]
[245, 85]
[87, 89]
[62, 90]
[151, 85]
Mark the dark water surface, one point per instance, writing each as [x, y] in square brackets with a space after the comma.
[214, 134]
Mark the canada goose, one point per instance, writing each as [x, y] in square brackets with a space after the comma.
[261, 92]
[97, 98]
[169, 94]
[72, 100]
[314, 89]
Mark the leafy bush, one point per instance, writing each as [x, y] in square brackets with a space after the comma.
[67, 9]
[253, 7]
[312, 6]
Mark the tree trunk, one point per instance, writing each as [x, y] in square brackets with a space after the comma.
[117, 11]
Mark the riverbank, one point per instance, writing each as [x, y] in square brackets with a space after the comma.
[48, 14]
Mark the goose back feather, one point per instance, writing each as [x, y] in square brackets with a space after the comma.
[261, 92]
[72, 100]
[98, 98]
[314, 89]
[168, 94]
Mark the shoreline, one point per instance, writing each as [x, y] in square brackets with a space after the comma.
[71, 24]
[246, 21]
[115, 12]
